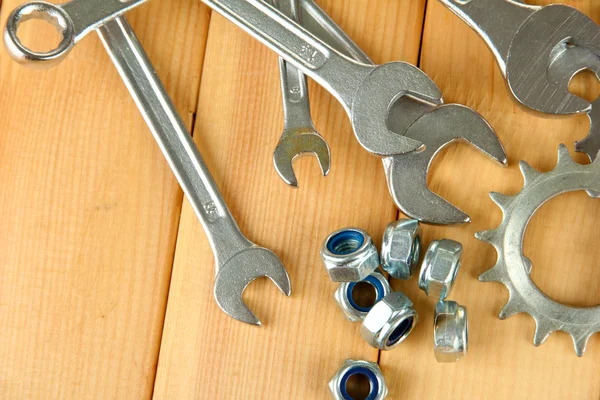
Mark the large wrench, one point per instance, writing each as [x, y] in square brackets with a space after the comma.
[539, 50]
[365, 91]
[299, 133]
[238, 261]
[436, 126]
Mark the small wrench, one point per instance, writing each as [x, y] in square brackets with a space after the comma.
[365, 91]
[238, 261]
[299, 133]
[436, 126]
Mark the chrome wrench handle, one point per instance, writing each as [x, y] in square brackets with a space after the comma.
[340, 76]
[237, 260]
[294, 88]
[496, 21]
[365, 91]
[73, 20]
[173, 139]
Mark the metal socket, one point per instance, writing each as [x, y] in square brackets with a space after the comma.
[349, 255]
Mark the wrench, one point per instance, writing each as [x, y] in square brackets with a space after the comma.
[539, 50]
[365, 91]
[238, 261]
[299, 133]
[435, 126]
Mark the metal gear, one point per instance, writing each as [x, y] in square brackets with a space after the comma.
[512, 267]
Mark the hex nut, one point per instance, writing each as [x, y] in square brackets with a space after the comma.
[401, 248]
[440, 267]
[344, 295]
[337, 384]
[389, 322]
[349, 255]
[450, 332]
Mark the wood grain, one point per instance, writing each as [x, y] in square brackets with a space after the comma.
[561, 241]
[90, 227]
[204, 353]
[89, 214]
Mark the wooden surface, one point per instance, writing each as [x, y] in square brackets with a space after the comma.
[106, 274]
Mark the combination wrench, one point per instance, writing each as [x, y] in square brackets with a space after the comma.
[435, 126]
[365, 91]
[299, 133]
[368, 92]
[238, 261]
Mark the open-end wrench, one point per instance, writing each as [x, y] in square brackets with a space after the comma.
[299, 136]
[528, 42]
[435, 126]
[238, 261]
[539, 50]
[365, 91]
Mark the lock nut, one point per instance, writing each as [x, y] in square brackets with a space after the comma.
[440, 267]
[389, 322]
[345, 295]
[401, 248]
[349, 255]
[450, 332]
[338, 385]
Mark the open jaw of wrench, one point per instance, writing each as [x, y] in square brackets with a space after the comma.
[300, 136]
[238, 261]
[435, 126]
[539, 50]
[365, 91]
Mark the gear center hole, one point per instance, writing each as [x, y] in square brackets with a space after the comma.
[562, 242]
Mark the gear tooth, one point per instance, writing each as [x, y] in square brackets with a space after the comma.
[592, 194]
[488, 236]
[541, 333]
[529, 173]
[493, 274]
[510, 309]
[503, 201]
[580, 344]
[564, 157]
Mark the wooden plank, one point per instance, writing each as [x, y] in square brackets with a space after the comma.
[304, 340]
[89, 212]
[561, 242]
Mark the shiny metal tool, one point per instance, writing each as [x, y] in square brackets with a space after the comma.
[365, 91]
[539, 50]
[238, 261]
[299, 136]
[436, 126]
[513, 270]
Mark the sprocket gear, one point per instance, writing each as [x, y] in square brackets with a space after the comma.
[512, 267]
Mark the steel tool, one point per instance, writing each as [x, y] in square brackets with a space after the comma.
[299, 133]
[238, 261]
[365, 91]
[436, 126]
[539, 50]
[513, 270]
